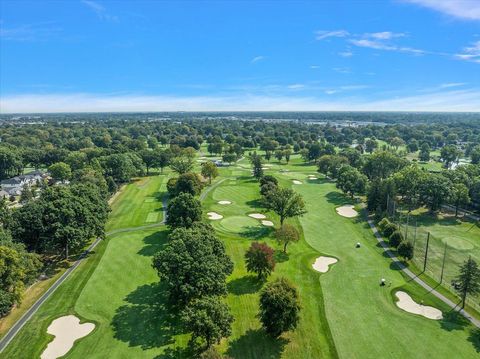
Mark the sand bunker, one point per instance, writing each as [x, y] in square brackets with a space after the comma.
[322, 264]
[257, 215]
[66, 330]
[224, 202]
[214, 216]
[267, 223]
[347, 211]
[297, 182]
[312, 177]
[406, 303]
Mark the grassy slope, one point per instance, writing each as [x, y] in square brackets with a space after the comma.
[362, 315]
[125, 265]
[311, 339]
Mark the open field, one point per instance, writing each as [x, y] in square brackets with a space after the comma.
[345, 313]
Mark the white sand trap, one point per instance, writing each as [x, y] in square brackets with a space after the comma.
[322, 263]
[297, 182]
[224, 202]
[347, 211]
[406, 303]
[312, 177]
[257, 215]
[66, 330]
[214, 215]
[267, 223]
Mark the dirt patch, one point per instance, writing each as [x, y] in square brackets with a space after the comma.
[214, 216]
[347, 211]
[322, 264]
[406, 303]
[66, 330]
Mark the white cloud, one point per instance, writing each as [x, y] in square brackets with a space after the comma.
[342, 70]
[452, 84]
[384, 35]
[257, 58]
[459, 100]
[470, 53]
[314, 66]
[464, 9]
[296, 86]
[347, 53]
[321, 35]
[99, 10]
[381, 45]
[30, 32]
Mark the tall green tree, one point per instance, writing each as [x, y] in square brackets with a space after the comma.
[193, 264]
[209, 319]
[60, 171]
[183, 211]
[10, 162]
[286, 203]
[257, 164]
[449, 154]
[468, 280]
[279, 307]
[459, 196]
[351, 181]
[209, 170]
[287, 234]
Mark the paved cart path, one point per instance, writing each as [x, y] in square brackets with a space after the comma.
[415, 278]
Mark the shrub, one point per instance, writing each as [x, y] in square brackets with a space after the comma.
[395, 239]
[268, 179]
[405, 250]
[389, 229]
[172, 187]
[383, 223]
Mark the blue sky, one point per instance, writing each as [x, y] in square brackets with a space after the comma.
[415, 55]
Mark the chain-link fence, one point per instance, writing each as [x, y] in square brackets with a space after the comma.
[439, 255]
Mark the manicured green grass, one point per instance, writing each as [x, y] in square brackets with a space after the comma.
[462, 237]
[140, 202]
[112, 288]
[364, 320]
[345, 313]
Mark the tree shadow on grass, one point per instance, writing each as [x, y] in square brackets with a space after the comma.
[257, 344]
[474, 338]
[337, 198]
[153, 243]
[255, 203]
[148, 320]
[176, 353]
[453, 320]
[281, 256]
[255, 231]
[245, 285]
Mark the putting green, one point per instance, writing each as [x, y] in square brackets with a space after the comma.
[238, 224]
[149, 200]
[152, 217]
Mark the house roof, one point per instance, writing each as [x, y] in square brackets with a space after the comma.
[11, 181]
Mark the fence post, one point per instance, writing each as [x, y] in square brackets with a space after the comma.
[443, 263]
[426, 252]
[406, 227]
